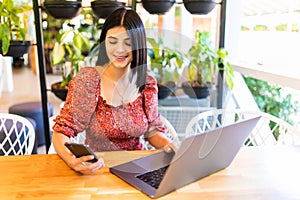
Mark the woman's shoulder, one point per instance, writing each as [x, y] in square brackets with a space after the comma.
[150, 80]
[87, 69]
[86, 76]
[88, 72]
[151, 83]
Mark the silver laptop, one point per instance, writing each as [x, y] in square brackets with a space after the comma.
[198, 156]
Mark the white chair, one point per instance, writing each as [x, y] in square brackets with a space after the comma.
[170, 132]
[179, 116]
[270, 130]
[17, 135]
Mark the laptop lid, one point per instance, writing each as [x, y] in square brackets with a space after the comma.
[198, 156]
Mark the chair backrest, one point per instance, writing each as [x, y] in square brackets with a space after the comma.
[179, 116]
[170, 132]
[270, 130]
[17, 135]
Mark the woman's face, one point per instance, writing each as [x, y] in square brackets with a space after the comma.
[118, 47]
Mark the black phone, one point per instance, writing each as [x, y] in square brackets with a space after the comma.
[81, 150]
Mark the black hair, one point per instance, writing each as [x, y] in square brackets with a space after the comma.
[132, 22]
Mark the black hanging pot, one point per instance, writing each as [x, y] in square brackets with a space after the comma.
[165, 90]
[201, 7]
[197, 92]
[158, 7]
[63, 9]
[58, 91]
[16, 48]
[103, 9]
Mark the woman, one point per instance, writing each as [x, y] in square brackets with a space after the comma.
[114, 102]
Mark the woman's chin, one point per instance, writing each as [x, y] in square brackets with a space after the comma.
[122, 64]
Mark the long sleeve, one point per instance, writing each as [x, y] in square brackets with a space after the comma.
[81, 102]
[151, 106]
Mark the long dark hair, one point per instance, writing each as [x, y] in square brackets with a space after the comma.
[131, 21]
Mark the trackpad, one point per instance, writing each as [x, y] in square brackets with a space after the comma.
[154, 161]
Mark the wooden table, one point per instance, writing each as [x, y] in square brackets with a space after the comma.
[256, 173]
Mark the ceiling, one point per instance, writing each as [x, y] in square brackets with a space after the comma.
[265, 7]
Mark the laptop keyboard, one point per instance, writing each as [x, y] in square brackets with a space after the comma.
[153, 178]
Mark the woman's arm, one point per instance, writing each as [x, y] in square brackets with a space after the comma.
[160, 140]
[77, 164]
[156, 136]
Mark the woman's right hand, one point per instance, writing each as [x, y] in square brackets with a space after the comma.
[82, 165]
[77, 164]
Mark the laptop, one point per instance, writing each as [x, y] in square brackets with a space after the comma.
[198, 156]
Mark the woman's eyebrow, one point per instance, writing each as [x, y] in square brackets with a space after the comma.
[113, 37]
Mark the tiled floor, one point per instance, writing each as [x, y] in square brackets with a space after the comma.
[26, 87]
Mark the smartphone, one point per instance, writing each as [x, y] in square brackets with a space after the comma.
[81, 150]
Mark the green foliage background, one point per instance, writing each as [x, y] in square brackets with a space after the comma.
[272, 99]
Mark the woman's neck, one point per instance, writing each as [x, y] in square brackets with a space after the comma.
[115, 74]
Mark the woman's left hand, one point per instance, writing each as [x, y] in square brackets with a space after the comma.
[170, 147]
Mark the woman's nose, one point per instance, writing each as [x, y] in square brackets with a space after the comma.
[120, 48]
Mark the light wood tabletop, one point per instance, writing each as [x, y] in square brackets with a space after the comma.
[256, 173]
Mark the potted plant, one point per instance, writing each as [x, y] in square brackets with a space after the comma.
[164, 65]
[70, 49]
[13, 29]
[204, 66]
[49, 34]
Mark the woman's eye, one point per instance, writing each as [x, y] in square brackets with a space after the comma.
[127, 43]
[112, 41]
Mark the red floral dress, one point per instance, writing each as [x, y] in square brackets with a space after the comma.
[107, 127]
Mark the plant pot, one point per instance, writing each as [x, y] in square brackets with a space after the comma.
[201, 7]
[63, 9]
[165, 90]
[58, 91]
[196, 92]
[103, 9]
[159, 7]
[16, 48]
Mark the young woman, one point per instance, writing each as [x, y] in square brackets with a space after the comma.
[115, 103]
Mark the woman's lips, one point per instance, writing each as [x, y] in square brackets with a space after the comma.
[121, 58]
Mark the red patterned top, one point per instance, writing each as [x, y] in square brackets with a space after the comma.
[107, 127]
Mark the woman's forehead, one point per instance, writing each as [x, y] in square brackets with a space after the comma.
[118, 31]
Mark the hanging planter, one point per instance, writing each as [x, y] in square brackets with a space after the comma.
[158, 7]
[102, 8]
[16, 48]
[59, 91]
[63, 9]
[166, 90]
[196, 92]
[201, 7]
[13, 31]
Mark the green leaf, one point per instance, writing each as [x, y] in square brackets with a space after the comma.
[65, 36]
[155, 46]
[5, 45]
[5, 31]
[58, 54]
[191, 73]
[81, 42]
